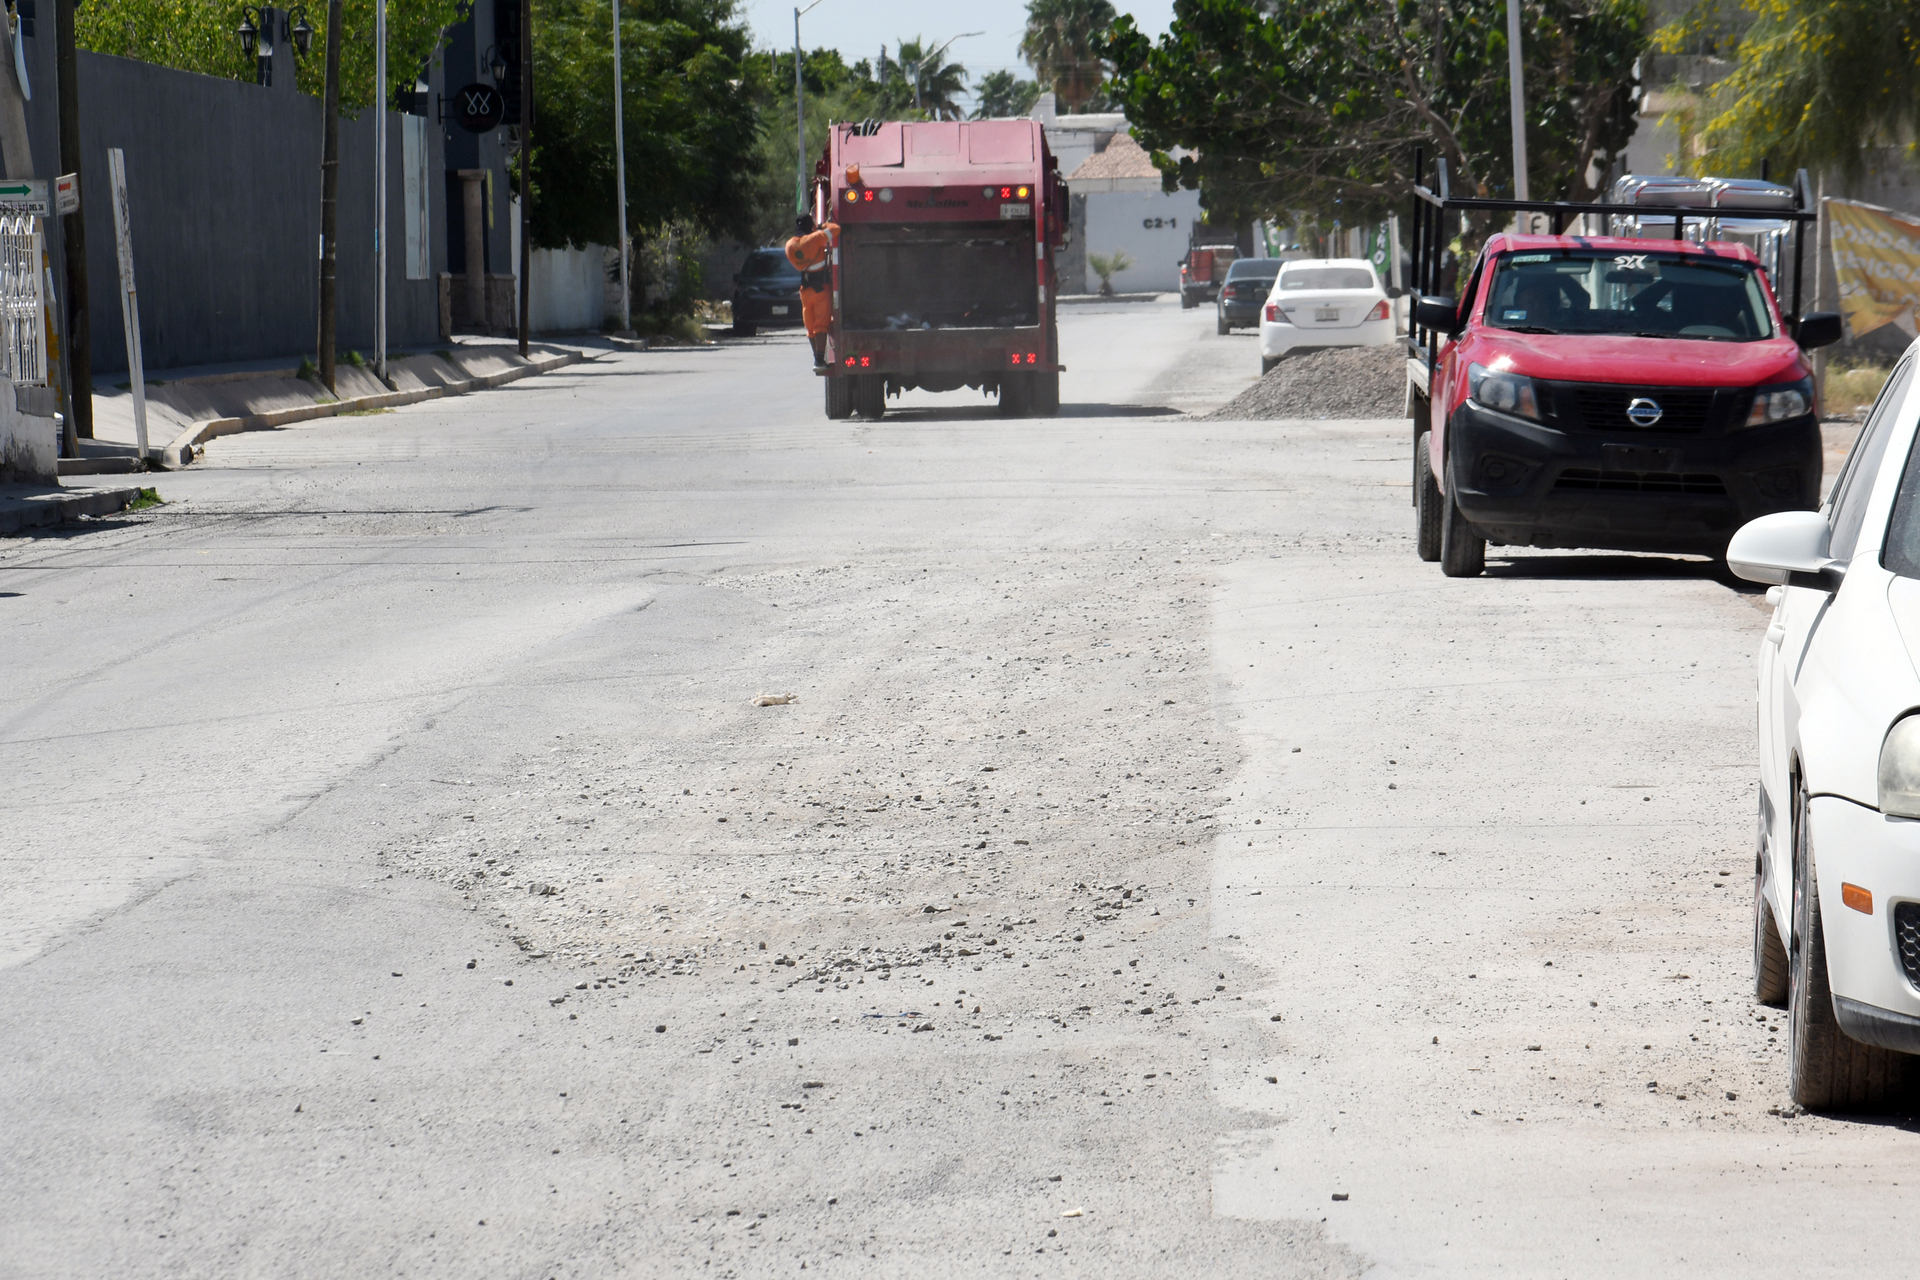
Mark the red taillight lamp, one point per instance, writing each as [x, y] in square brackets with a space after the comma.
[1380, 312]
[1273, 312]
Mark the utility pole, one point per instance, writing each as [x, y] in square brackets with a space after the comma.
[73, 230]
[620, 174]
[526, 172]
[380, 190]
[1519, 102]
[329, 193]
[800, 115]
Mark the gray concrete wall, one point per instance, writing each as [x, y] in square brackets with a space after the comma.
[223, 180]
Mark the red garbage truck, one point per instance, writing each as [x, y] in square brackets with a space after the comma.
[944, 276]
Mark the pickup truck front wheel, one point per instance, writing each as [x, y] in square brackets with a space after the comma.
[1463, 553]
[1426, 501]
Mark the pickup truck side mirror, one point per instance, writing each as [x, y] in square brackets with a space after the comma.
[1437, 312]
[1817, 329]
[1786, 547]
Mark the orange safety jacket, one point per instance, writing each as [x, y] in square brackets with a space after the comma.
[810, 254]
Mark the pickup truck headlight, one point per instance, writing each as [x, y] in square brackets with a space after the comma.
[1900, 770]
[1777, 404]
[1505, 392]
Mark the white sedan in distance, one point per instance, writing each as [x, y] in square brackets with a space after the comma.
[1318, 303]
[1836, 912]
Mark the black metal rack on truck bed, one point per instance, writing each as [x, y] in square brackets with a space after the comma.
[1431, 236]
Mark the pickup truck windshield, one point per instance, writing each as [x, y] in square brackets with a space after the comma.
[1650, 295]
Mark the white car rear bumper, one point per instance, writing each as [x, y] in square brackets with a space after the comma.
[1276, 338]
[1874, 998]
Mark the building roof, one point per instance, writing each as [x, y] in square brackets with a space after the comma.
[1122, 158]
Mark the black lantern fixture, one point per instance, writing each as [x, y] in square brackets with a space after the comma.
[302, 31]
[248, 30]
[496, 63]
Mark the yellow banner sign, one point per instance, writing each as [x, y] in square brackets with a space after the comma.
[1876, 262]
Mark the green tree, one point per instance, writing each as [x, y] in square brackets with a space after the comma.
[1816, 84]
[198, 35]
[835, 92]
[691, 132]
[1000, 95]
[940, 84]
[1063, 45]
[1320, 104]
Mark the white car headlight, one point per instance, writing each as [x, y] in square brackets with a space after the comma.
[1900, 770]
[1506, 392]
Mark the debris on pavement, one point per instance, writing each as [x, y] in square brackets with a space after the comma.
[1357, 382]
[775, 699]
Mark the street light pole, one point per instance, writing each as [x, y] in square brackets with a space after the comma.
[1519, 102]
[380, 190]
[620, 173]
[925, 58]
[526, 170]
[329, 198]
[800, 115]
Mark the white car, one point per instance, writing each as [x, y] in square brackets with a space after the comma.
[1837, 872]
[1324, 302]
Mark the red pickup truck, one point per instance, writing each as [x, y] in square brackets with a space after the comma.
[1609, 392]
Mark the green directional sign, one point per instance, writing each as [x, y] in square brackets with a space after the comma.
[24, 195]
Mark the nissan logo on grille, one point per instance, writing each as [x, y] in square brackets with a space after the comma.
[1643, 412]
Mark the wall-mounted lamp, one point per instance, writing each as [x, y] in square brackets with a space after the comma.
[302, 31]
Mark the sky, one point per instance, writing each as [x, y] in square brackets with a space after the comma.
[857, 28]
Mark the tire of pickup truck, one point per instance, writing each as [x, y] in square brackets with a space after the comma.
[1046, 395]
[1016, 395]
[869, 397]
[839, 397]
[1463, 553]
[1426, 502]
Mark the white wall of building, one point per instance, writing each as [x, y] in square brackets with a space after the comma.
[569, 289]
[1151, 227]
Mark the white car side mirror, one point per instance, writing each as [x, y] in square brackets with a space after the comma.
[1786, 547]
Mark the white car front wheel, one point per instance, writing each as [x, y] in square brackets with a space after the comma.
[1827, 1069]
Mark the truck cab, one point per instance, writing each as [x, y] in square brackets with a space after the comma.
[1609, 392]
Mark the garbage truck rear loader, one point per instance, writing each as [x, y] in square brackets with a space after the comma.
[944, 274]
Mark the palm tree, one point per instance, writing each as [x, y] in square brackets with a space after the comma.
[1059, 45]
[1001, 95]
[940, 83]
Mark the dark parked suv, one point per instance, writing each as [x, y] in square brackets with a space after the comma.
[1249, 281]
[766, 292]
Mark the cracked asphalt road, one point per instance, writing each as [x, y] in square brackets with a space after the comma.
[403, 879]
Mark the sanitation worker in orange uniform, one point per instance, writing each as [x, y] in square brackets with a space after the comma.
[811, 251]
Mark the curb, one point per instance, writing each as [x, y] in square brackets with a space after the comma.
[184, 447]
[39, 510]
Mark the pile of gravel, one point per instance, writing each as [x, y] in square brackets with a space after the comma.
[1356, 382]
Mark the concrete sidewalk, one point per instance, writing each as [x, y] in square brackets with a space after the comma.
[32, 506]
[190, 407]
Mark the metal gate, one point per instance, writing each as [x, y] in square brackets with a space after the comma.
[23, 311]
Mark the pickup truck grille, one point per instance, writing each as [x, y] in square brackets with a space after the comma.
[1640, 481]
[1603, 407]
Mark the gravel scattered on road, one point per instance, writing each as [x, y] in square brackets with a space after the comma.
[1360, 382]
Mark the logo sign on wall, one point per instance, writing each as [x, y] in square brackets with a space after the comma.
[479, 108]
